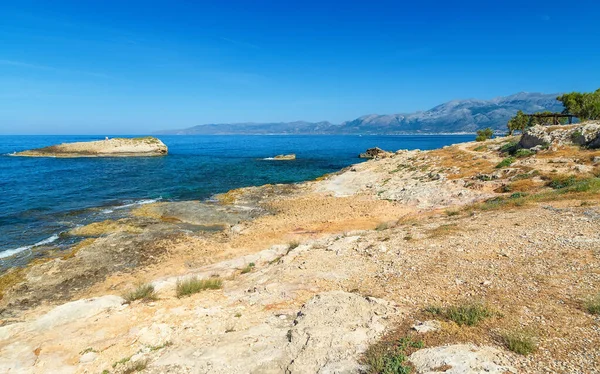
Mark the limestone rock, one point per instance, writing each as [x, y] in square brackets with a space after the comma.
[76, 310]
[155, 335]
[535, 136]
[586, 134]
[331, 331]
[116, 147]
[285, 157]
[376, 153]
[460, 359]
[88, 357]
[427, 326]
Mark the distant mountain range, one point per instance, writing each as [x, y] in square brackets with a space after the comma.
[452, 117]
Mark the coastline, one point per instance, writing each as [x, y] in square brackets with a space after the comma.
[380, 229]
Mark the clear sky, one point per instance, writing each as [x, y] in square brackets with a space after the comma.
[99, 67]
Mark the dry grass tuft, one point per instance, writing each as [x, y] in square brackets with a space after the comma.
[593, 305]
[520, 342]
[468, 314]
[443, 230]
[144, 292]
[248, 268]
[194, 285]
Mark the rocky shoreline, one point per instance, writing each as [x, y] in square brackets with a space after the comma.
[115, 147]
[319, 275]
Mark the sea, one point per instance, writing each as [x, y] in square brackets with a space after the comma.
[42, 198]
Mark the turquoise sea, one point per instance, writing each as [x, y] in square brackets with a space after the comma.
[42, 197]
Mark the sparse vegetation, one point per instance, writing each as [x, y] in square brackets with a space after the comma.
[506, 162]
[582, 189]
[248, 268]
[480, 148]
[520, 342]
[161, 346]
[522, 153]
[468, 314]
[390, 357]
[593, 305]
[509, 147]
[382, 226]
[443, 230]
[136, 366]
[293, 245]
[484, 134]
[562, 181]
[10, 278]
[144, 292]
[194, 285]
[575, 136]
[121, 361]
[451, 213]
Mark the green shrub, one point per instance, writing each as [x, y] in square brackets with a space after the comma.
[143, 292]
[390, 358]
[562, 181]
[583, 185]
[468, 314]
[509, 147]
[480, 148]
[593, 305]
[484, 134]
[520, 342]
[194, 285]
[293, 245]
[506, 162]
[519, 122]
[575, 136]
[521, 153]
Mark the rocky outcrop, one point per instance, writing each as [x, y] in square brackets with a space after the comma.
[460, 359]
[332, 330]
[586, 135]
[285, 157]
[535, 136]
[116, 147]
[375, 153]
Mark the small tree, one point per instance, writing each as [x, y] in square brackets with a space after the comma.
[484, 134]
[585, 105]
[519, 122]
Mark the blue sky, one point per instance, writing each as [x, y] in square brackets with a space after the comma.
[99, 67]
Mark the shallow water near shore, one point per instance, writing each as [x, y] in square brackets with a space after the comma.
[42, 197]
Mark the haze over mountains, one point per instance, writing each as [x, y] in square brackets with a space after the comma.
[452, 117]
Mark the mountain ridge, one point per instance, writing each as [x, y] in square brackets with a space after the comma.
[455, 116]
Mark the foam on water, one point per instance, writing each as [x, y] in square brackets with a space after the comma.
[12, 252]
[139, 202]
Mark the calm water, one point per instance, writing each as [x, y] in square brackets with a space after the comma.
[42, 197]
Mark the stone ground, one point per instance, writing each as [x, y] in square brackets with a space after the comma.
[339, 264]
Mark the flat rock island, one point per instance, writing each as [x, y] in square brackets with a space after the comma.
[115, 147]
